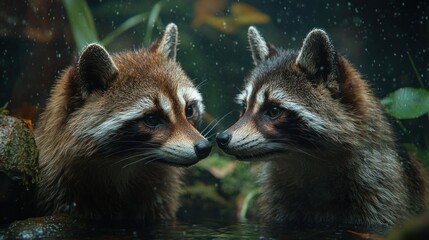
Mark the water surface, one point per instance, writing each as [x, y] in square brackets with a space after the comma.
[205, 229]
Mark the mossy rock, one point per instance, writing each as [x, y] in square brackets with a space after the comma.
[19, 168]
[56, 226]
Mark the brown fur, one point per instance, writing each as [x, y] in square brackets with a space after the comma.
[330, 154]
[106, 177]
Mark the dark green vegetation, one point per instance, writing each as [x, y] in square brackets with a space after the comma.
[411, 103]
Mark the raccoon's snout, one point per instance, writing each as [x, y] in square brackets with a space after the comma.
[223, 139]
[203, 148]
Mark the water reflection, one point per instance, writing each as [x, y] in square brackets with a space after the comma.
[64, 227]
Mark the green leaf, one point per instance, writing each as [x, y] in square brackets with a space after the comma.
[129, 23]
[250, 196]
[153, 16]
[81, 22]
[407, 103]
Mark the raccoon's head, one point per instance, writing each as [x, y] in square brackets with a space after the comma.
[293, 101]
[137, 106]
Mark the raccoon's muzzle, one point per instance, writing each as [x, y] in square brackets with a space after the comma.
[223, 139]
[202, 148]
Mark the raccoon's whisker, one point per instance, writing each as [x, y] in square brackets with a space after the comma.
[125, 159]
[140, 160]
[139, 149]
[104, 144]
[208, 125]
[150, 161]
[211, 136]
[151, 144]
[222, 118]
[289, 148]
[304, 152]
[144, 155]
[141, 142]
[204, 82]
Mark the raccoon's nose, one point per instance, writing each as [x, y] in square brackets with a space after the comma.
[203, 148]
[223, 139]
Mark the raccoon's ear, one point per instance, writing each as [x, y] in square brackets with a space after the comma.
[96, 68]
[260, 49]
[318, 57]
[167, 44]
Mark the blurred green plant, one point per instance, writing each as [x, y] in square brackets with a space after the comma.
[85, 32]
[410, 103]
[237, 176]
[3, 110]
[237, 182]
[407, 103]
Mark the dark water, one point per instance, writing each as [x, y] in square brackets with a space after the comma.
[207, 229]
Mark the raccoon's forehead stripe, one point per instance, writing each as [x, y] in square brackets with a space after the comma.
[165, 104]
[260, 96]
[101, 131]
[242, 97]
[166, 107]
[190, 94]
[312, 119]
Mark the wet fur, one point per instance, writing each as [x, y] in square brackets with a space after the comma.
[88, 174]
[342, 168]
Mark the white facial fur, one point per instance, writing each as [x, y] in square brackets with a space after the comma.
[247, 139]
[288, 103]
[245, 94]
[166, 106]
[100, 131]
[190, 94]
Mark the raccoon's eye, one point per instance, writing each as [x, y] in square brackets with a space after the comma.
[190, 111]
[152, 120]
[274, 112]
[243, 106]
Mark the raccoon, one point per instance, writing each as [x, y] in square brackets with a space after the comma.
[115, 132]
[328, 152]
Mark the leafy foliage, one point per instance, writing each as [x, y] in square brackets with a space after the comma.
[81, 22]
[233, 185]
[237, 177]
[410, 103]
[407, 103]
[85, 32]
